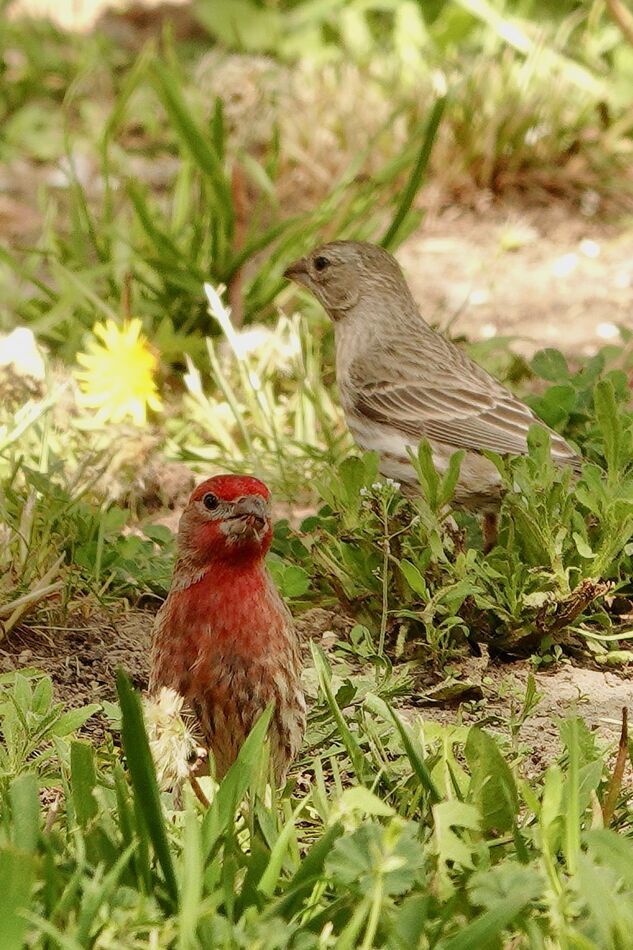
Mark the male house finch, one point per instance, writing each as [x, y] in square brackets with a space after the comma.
[224, 639]
[400, 381]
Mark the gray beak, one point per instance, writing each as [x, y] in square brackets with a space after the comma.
[251, 512]
[297, 271]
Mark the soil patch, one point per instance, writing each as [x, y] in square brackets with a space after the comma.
[82, 658]
[596, 696]
[550, 276]
[83, 655]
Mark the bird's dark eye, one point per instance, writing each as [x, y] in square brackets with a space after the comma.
[320, 263]
[210, 501]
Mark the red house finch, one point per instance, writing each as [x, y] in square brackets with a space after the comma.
[224, 639]
[400, 381]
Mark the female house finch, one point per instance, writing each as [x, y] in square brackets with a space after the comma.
[400, 381]
[224, 639]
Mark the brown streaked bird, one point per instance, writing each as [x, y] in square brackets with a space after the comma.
[400, 381]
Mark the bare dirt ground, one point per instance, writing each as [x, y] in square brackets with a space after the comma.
[595, 696]
[568, 283]
[82, 657]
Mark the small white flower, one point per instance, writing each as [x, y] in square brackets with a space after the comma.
[607, 331]
[589, 248]
[379, 488]
[19, 350]
[565, 265]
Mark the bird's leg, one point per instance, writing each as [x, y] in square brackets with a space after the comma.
[489, 527]
[202, 798]
[456, 534]
[199, 766]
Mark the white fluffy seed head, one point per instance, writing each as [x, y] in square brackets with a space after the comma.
[171, 739]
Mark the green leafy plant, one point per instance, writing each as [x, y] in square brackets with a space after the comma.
[58, 545]
[442, 842]
[563, 543]
[35, 728]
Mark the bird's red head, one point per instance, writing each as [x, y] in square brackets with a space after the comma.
[227, 518]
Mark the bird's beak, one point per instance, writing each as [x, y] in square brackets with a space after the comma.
[298, 271]
[249, 517]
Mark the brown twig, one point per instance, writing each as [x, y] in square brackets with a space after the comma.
[615, 782]
[572, 606]
[53, 812]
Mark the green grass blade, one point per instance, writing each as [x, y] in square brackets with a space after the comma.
[416, 760]
[193, 138]
[140, 867]
[17, 873]
[356, 754]
[482, 931]
[58, 940]
[270, 877]
[83, 781]
[260, 241]
[239, 776]
[143, 775]
[93, 902]
[309, 871]
[572, 816]
[128, 87]
[390, 240]
[25, 812]
[191, 882]
[221, 815]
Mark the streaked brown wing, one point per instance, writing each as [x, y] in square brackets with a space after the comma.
[470, 419]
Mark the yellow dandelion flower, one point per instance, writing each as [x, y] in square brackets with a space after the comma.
[118, 377]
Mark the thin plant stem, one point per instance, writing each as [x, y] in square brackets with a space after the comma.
[386, 553]
[374, 916]
[615, 782]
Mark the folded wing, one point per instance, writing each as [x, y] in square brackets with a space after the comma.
[474, 417]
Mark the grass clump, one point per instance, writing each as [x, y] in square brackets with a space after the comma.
[437, 842]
